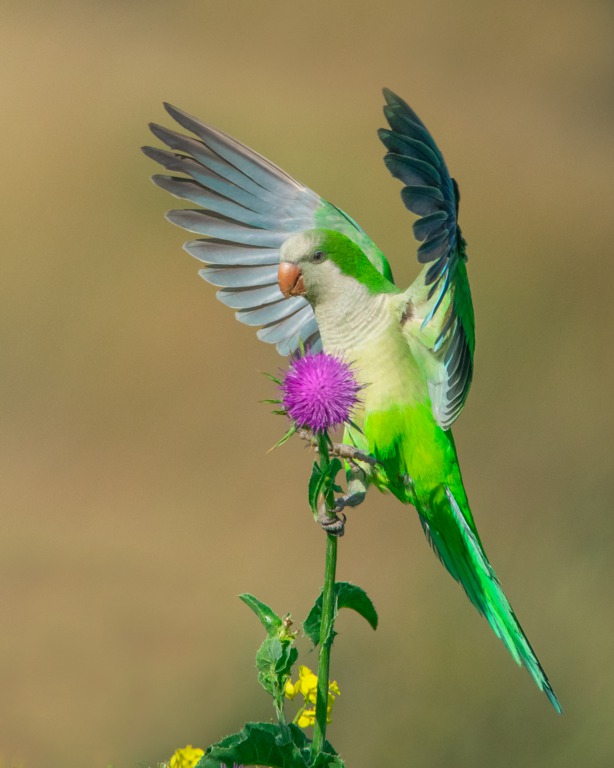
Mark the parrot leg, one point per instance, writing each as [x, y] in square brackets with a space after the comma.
[333, 521]
[357, 491]
[351, 453]
[342, 450]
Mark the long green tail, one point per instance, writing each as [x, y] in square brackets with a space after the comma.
[419, 465]
[460, 550]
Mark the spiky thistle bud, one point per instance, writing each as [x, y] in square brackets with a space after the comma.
[319, 391]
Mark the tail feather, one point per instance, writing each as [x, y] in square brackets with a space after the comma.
[459, 549]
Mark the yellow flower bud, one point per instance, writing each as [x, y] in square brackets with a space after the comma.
[186, 757]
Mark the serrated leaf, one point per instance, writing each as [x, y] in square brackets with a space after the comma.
[328, 760]
[313, 623]
[354, 597]
[274, 661]
[315, 485]
[269, 619]
[322, 481]
[263, 744]
[346, 596]
[334, 468]
[269, 655]
[291, 661]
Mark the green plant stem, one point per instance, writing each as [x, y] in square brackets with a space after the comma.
[281, 715]
[327, 624]
[326, 639]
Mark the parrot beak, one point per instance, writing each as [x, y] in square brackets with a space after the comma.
[290, 279]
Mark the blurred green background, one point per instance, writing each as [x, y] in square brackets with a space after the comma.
[138, 497]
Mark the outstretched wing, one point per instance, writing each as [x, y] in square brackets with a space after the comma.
[439, 318]
[247, 207]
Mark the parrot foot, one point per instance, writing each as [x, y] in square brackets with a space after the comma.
[349, 500]
[342, 450]
[332, 524]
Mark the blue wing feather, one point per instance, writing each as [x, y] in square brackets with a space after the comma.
[248, 207]
[235, 277]
[271, 313]
[248, 298]
[223, 253]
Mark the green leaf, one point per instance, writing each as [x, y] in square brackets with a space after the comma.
[286, 671]
[313, 623]
[354, 597]
[274, 661]
[328, 760]
[270, 655]
[346, 596]
[334, 468]
[267, 744]
[322, 481]
[355, 427]
[270, 376]
[269, 619]
[315, 486]
[285, 438]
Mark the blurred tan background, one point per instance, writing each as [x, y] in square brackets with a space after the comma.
[138, 497]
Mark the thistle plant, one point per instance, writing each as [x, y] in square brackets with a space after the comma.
[317, 395]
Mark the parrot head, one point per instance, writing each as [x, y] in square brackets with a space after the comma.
[321, 264]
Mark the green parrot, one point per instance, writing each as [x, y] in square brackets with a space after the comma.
[303, 270]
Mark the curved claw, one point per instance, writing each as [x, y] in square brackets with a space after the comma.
[333, 525]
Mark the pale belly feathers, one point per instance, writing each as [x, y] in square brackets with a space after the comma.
[372, 341]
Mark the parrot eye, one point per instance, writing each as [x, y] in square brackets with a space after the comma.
[317, 257]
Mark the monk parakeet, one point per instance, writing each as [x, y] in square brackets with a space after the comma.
[303, 270]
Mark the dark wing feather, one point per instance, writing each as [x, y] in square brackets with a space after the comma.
[440, 328]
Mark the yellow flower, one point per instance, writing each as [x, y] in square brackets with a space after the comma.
[307, 686]
[186, 757]
[290, 689]
[306, 718]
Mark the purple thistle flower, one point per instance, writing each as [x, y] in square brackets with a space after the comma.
[319, 391]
